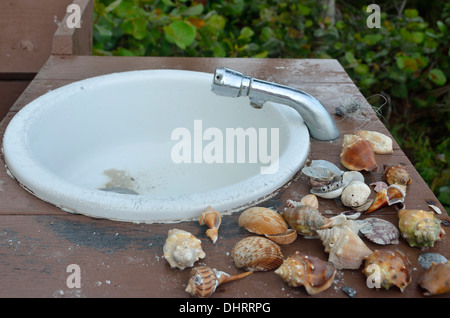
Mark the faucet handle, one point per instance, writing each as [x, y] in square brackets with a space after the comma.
[227, 82]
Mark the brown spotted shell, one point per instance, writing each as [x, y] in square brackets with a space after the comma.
[305, 219]
[262, 221]
[388, 268]
[397, 175]
[314, 274]
[257, 253]
[436, 280]
[204, 280]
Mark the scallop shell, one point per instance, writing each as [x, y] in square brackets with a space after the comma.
[305, 220]
[436, 280]
[204, 280]
[256, 253]
[357, 154]
[388, 268]
[381, 143]
[380, 231]
[212, 219]
[311, 272]
[355, 194]
[420, 228]
[182, 249]
[262, 221]
[321, 172]
[346, 249]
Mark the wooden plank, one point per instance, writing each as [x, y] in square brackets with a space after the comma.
[10, 91]
[75, 41]
[27, 28]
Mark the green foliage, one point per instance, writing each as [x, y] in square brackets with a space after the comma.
[407, 59]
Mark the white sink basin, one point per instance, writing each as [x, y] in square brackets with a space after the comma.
[123, 132]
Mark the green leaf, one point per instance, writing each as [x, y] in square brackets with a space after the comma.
[411, 13]
[246, 33]
[196, 9]
[437, 76]
[350, 58]
[113, 5]
[372, 39]
[361, 69]
[180, 33]
[216, 21]
[417, 37]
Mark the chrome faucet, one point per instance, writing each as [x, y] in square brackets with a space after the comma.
[231, 83]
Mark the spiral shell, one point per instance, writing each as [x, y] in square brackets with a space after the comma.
[305, 220]
[311, 272]
[256, 253]
[204, 280]
[436, 280]
[212, 219]
[397, 175]
[420, 228]
[182, 249]
[346, 249]
[262, 221]
[357, 154]
[388, 268]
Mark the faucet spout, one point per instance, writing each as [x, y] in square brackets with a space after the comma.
[231, 83]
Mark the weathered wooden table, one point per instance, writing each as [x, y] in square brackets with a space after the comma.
[38, 241]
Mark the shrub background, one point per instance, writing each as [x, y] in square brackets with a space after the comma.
[406, 60]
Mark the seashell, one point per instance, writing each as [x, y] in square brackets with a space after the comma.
[420, 228]
[284, 238]
[330, 191]
[388, 268]
[379, 185]
[311, 272]
[380, 143]
[204, 280]
[311, 201]
[386, 197]
[357, 154]
[380, 231]
[305, 220]
[397, 175]
[262, 221]
[355, 194]
[435, 208]
[321, 172]
[346, 249]
[426, 259]
[212, 219]
[182, 249]
[436, 280]
[256, 253]
[350, 176]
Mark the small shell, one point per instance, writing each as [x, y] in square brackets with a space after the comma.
[256, 253]
[309, 271]
[386, 197]
[397, 175]
[355, 194]
[420, 228]
[182, 249]
[204, 280]
[350, 176]
[284, 238]
[212, 219]
[379, 185]
[346, 249]
[311, 201]
[331, 191]
[436, 280]
[426, 259]
[357, 154]
[380, 143]
[321, 172]
[262, 221]
[380, 231]
[388, 268]
[305, 220]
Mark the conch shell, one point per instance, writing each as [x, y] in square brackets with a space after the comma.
[182, 249]
[357, 154]
[204, 280]
[212, 219]
[257, 253]
[346, 249]
[420, 228]
[380, 143]
[393, 194]
[306, 220]
[309, 271]
[388, 268]
[436, 280]
[267, 222]
[397, 175]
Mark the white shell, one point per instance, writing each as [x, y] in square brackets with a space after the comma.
[327, 195]
[182, 249]
[350, 176]
[355, 194]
